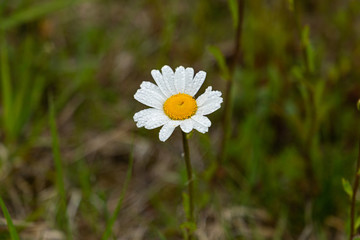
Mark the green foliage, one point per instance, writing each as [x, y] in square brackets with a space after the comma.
[6, 91]
[233, 6]
[63, 219]
[21, 93]
[187, 227]
[309, 50]
[186, 205]
[23, 99]
[294, 96]
[357, 223]
[220, 59]
[35, 12]
[13, 232]
[161, 236]
[112, 219]
[347, 187]
[291, 5]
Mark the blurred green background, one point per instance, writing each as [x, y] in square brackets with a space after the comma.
[294, 127]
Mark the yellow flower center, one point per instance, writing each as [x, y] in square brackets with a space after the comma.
[180, 106]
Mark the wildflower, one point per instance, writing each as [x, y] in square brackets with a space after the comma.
[172, 102]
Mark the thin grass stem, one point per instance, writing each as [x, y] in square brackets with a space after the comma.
[229, 85]
[353, 197]
[6, 92]
[13, 233]
[63, 220]
[111, 221]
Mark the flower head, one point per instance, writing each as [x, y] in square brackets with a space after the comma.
[172, 102]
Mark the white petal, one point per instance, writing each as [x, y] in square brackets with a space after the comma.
[199, 127]
[156, 121]
[208, 96]
[145, 115]
[189, 75]
[180, 79]
[198, 81]
[187, 125]
[209, 101]
[150, 89]
[203, 97]
[205, 110]
[167, 130]
[168, 76]
[210, 106]
[148, 99]
[202, 120]
[154, 89]
[160, 82]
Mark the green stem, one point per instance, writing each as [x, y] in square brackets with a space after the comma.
[353, 198]
[308, 144]
[229, 84]
[190, 182]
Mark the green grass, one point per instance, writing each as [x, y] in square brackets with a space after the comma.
[110, 222]
[294, 125]
[6, 91]
[12, 229]
[63, 220]
[21, 94]
[35, 12]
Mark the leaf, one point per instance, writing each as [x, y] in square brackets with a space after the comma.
[357, 222]
[310, 55]
[161, 236]
[305, 35]
[233, 6]
[186, 205]
[191, 226]
[347, 187]
[13, 233]
[220, 59]
[291, 5]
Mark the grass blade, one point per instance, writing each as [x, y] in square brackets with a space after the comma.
[31, 102]
[111, 221]
[220, 59]
[35, 12]
[23, 86]
[13, 233]
[233, 5]
[6, 91]
[63, 220]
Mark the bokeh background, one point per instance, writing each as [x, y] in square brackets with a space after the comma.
[294, 126]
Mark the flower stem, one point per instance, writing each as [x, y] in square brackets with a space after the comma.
[229, 84]
[190, 214]
[353, 198]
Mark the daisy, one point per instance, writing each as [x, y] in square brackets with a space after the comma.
[172, 102]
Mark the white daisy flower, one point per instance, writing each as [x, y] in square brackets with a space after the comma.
[173, 104]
